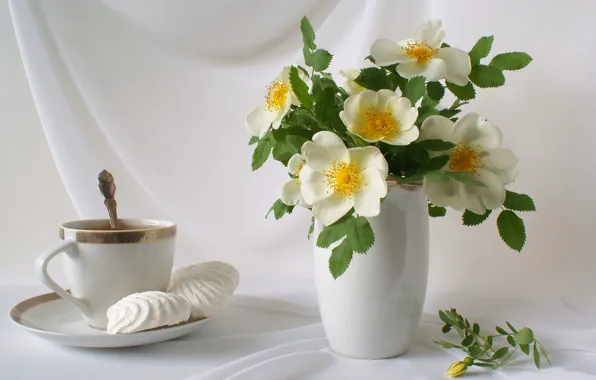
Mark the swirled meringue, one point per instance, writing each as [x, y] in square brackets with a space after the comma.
[207, 287]
[147, 310]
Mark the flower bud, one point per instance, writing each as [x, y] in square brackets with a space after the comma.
[469, 361]
[456, 369]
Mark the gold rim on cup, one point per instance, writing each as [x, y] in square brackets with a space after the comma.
[98, 231]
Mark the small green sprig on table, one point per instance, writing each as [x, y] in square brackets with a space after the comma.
[483, 350]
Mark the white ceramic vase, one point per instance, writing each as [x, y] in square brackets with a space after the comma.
[372, 311]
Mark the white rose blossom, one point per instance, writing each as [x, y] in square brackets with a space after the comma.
[290, 192]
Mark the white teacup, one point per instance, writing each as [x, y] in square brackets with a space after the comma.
[103, 265]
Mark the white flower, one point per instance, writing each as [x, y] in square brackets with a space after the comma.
[335, 178]
[476, 151]
[380, 116]
[278, 100]
[350, 84]
[290, 192]
[423, 55]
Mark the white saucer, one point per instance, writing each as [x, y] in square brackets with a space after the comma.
[50, 317]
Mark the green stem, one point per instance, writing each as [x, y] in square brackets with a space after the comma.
[543, 352]
[506, 358]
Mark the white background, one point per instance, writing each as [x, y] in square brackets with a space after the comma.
[157, 95]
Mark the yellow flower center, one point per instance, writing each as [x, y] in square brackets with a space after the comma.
[277, 96]
[421, 51]
[344, 178]
[379, 124]
[465, 159]
[298, 169]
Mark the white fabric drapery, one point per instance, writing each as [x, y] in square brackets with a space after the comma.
[155, 91]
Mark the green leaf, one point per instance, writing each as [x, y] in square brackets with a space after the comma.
[308, 33]
[486, 365]
[543, 352]
[447, 112]
[446, 318]
[446, 329]
[511, 327]
[361, 235]
[524, 336]
[279, 209]
[487, 76]
[512, 230]
[525, 348]
[414, 89]
[333, 232]
[472, 219]
[519, 202]
[475, 350]
[437, 163]
[397, 81]
[436, 145]
[466, 92]
[340, 259]
[511, 341]
[445, 44]
[500, 353]
[467, 340]
[357, 140]
[536, 356]
[435, 90]
[476, 328]
[253, 140]
[300, 88]
[464, 177]
[374, 78]
[312, 227]
[324, 100]
[320, 60]
[436, 211]
[501, 331]
[481, 49]
[489, 340]
[446, 345]
[425, 112]
[283, 151]
[296, 142]
[510, 61]
[418, 154]
[261, 153]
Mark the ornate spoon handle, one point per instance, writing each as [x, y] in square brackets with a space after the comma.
[108, 188]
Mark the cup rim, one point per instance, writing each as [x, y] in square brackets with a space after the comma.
[94, 231]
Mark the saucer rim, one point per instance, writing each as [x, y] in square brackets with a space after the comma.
[18, 311]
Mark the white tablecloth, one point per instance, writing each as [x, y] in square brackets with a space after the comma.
[272, 331]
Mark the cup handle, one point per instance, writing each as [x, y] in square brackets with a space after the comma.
[41, 270]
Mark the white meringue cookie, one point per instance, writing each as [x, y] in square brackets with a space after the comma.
[147, 310]
[217, 271]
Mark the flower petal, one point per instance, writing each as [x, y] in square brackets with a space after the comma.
[431, 32]
[313, 185]
[367, 201]
[330, 210]
[478, 199]
[349, 73]
[440, 192]
[501, 162]
[437, 127]
[386, 52]
[403, 112]
[316, 157]
[290, 193]
[433, 70]
[471, 130]
[282, 112]
[258, 121]
[295, 162]
[332, 144]
[369, 157]
[457, 63]
[383, 97]
[403, 137]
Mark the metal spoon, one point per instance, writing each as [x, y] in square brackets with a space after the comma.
[108, 188]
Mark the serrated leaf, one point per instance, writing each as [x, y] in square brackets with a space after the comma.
[436, 145]
[397, 81]
[261, 153]
[525, 348]
[446, 329]
[475, 350]
[448, 113]
[466, 92]
[374, 78]
[471, 219]
[436, 211]
[428, 103]
[481, 49]
[500, 353]
[300, 88]
[361, 235]
[467, 178]
[307, 54]
[334, 232]
[312, 228]
[296, 142]
[308, 33]
[253, 140]
[417, 154]
[511, 327]
[320, 60]
[511, 341]
[437, 163]
[340, 259]
[487, 76]
[524, 336]
[510, 61]
[324, 100]
[519, 202]
[425, 112]
[536, 356]
[501, 331]
[435, 90]
[283, 151]
[279, 209]
[446, 318]
[414, 89]
[467, 340]
[512, 230]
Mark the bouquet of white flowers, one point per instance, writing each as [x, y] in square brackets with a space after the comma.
[385, 126]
